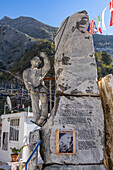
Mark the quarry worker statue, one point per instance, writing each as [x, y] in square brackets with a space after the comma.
[33, 79]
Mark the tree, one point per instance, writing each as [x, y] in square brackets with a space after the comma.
[106, 58]
[104, 63]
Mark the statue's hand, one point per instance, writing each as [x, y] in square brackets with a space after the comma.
[43, 55]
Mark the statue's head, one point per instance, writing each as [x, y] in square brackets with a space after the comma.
[35, 62]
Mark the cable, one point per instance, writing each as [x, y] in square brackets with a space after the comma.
[11, 74]
[101, 12]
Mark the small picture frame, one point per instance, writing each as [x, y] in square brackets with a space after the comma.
[65, 142]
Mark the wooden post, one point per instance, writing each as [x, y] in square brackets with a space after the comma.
[21, 97]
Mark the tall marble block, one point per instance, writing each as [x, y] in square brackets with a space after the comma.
[77, 106]
[75, 67]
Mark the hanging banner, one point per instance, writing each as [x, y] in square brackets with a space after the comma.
[90, 28]
[99, 28]
[95, 28]
[103, 24]
[111, 10]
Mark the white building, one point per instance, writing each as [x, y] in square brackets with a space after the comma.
[15, 133]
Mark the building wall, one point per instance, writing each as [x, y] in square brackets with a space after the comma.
[28, 127]
[0, 133]
[25, 127]
[106, 91]
[5, 128]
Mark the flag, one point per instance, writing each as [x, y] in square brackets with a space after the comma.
[103, 24]
[94, 27]
[99, 28]
[111, 10]
[90, 28]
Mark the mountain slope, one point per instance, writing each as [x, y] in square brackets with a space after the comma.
[103, 43]
[30, 26]
[15, 38]
[13, 45]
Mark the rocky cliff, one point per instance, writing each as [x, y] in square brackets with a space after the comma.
[30, 26]
[19, 35]
[13, 45]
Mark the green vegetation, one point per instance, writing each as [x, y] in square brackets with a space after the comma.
[24, 62]
[2, 65]
[41, 46]
[104, 64]
[16, 151]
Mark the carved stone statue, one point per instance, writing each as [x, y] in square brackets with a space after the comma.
[33, 79]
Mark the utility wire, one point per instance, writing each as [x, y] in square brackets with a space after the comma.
[11, 74]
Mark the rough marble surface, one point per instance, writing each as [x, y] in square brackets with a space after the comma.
[80, 167]
[85, 116]
[75, 72]
[75, 66]
[34, 138]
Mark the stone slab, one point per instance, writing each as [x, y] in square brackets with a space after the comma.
[80, 167]
[77, 105]
[85, 116]
[75, 66]
[34, 138]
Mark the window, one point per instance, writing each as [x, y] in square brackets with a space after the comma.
[14, 130]
[5, 141]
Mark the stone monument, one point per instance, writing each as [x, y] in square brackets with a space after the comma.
[73, 137]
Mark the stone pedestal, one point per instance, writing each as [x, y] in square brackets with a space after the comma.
[80, 167]
[77, 113]
[36, 160]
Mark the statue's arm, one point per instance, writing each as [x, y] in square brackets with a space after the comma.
[46, 66]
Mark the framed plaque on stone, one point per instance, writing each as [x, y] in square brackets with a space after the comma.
[65, 142]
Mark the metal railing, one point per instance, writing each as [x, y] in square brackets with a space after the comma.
[32, 154]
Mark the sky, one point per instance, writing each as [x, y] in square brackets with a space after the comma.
[53, 12]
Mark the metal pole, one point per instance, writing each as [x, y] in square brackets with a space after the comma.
[21, 97]
[32, 154]
[4, 108]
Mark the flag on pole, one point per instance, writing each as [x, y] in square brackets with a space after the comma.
[99, 28]
[103, 24]
[111, 10]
